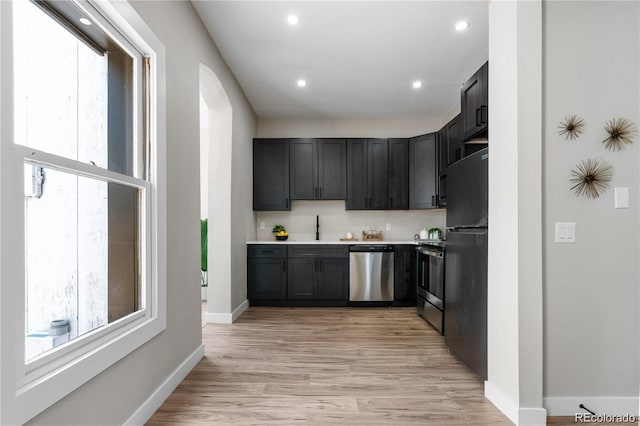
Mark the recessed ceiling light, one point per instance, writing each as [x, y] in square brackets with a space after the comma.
[85, 21]
[462, 25]
[417, 84]
[293, 19]
[301, 83]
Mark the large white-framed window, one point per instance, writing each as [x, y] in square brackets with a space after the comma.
[82, 196]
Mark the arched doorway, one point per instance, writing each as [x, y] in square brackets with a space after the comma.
[215, 179]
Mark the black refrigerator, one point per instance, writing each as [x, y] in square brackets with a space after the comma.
[465, 307]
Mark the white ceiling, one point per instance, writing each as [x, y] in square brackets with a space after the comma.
[359, 58]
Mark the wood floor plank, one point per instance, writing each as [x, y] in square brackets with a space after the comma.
[328, 366]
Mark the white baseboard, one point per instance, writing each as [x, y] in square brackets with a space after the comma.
[215, 318]
[518, 415]
[532, 417]
[569, 406]
[151, 405]
[502, 402]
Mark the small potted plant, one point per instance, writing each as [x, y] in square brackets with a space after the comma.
[280, 232]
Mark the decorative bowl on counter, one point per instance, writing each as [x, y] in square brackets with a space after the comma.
[282, 237]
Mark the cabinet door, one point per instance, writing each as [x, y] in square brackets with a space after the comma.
[267, 279]
[404, 271]
[422, 172]
[398, 174]
[333, 279]
[474, 105]
[302, 278]
[304, 173]
[332, 169]
[377, 173]
[454, 142]
[357, 174]
[443, 149]
[271, 174]
[484, 103]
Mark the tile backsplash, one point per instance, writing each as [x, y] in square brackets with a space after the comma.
[335, 221]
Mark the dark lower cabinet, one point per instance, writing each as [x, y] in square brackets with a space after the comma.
[298, 275]
[333, 279]
[404, 275]
[266, 273]
[302, 278]
[319, 273]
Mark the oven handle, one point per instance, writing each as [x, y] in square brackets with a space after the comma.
[433, 253]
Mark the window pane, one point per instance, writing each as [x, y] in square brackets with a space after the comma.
[81, 248]
[71, 100]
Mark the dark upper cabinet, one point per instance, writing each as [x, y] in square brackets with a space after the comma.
[398, 174]
[332, 169]
[474, 104]
[304, 169]
[455, 146]
[450, 150]
[367, 174]
[266, 272]
[271, 174]
[423, 174]
[318, 169]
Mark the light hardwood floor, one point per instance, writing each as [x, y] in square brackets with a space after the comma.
[329, 366]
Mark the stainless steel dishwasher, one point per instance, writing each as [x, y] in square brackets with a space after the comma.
[371, 273]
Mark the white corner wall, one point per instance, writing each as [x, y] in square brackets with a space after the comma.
[514, 381]
[129, 390]
[591, 327]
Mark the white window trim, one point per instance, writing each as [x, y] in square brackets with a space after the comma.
[27, 390]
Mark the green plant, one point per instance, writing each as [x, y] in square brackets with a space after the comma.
[203, 244]
[278, 228]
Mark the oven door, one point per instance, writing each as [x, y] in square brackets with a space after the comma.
[435, 282]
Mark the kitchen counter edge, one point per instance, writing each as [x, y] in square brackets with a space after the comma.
[395, 242]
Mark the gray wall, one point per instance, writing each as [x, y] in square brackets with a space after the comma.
[114, 395]
[590, 68]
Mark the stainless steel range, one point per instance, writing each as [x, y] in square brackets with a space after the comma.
[430, 283]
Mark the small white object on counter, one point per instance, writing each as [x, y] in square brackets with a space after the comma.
[349, 235]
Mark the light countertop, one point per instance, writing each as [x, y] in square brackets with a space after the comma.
[391, 242]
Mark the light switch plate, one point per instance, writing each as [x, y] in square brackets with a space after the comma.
[565, 232]
[622, 197]
[388, 227]
[261, 225]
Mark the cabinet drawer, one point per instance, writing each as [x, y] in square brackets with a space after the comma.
[267, 251]
[318, 251]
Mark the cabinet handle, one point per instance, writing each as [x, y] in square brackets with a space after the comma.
[320, 192]
[478, 118]
[484, 108]
[266, 251]
[391, 202]
[287, 203]
[433, 200]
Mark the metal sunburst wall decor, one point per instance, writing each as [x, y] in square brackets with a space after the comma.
[572, 127]
[591, 178]
[620, 132]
